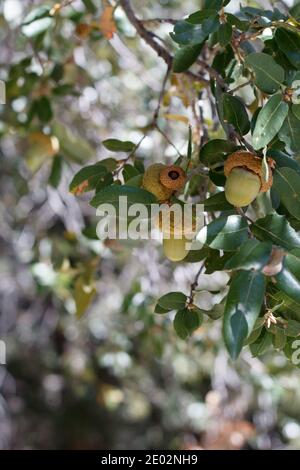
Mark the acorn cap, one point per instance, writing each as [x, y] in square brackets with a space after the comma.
[250, 162]
[173, 177]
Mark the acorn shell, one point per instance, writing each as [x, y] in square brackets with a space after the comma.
[151, 182]
[250, 162]
[173, 177]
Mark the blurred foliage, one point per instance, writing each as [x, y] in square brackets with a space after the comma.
[116, 377]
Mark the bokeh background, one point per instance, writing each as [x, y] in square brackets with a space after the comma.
[117, 377]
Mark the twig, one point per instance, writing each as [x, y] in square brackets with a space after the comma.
[152, 41]
[161, 95]
[213, 73]
[167, 139]
[158, 20]
[242, 214]
[131, 155]
[195, 284]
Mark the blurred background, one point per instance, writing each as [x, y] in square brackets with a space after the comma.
[96, 368]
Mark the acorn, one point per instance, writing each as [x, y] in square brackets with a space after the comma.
[176, 235]
[175, 249]
[245, 178]
[151, 182]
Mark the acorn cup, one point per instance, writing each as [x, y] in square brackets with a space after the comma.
[162, 180]
[245, 178]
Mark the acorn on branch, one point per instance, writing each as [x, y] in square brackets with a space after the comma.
[176, 235]
[162, 180]
[245, 179]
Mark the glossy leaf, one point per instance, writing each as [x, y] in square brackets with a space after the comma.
[217, 202]
[215, 151]
[185, 57]
[251, 255]
[287, 184]
[224, 34]
[172, 301]
[115, 145]
[289, 43]
[243, 305]
[234, 113]
[275, 228]
[269, 121]
[56, 171]
[262, 344]
[186, 33]
[268, 74]
[288, 280]
[134, 195]
[185, 322]
[82, 180]
[290, 133]
[224, 233]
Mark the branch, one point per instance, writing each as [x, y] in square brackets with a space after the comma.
[194, 284]
[150, 39]
[144, 33]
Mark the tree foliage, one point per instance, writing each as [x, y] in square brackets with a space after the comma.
[236, 79]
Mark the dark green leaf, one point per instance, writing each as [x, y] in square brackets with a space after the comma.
[288, 280]
[56, 171]
[268, 74]
[262, 344]
[215, 151]
[225, 233]
[185, 322]
[283, 160]
[289, 44]
[185, 57]
[251, 255]
[269, 121]
[129, 172]
[89, 5]
[290, 133]
[200, 16]
[172, 301]
[296, 110]
[217, 202]
[279, 338]
[194, 256]
[43, 109]
[292, 329]
[190, 34]
[224, 34]
[243, 304]
[217, 176]
[134, 195]
[115, 145]
[84, 177]
[287, 184]
[275, 228]
[234, 113]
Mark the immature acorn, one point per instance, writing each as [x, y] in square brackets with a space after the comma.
[162, 180]
[245, 178]
[175, 249]
[176, 235]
